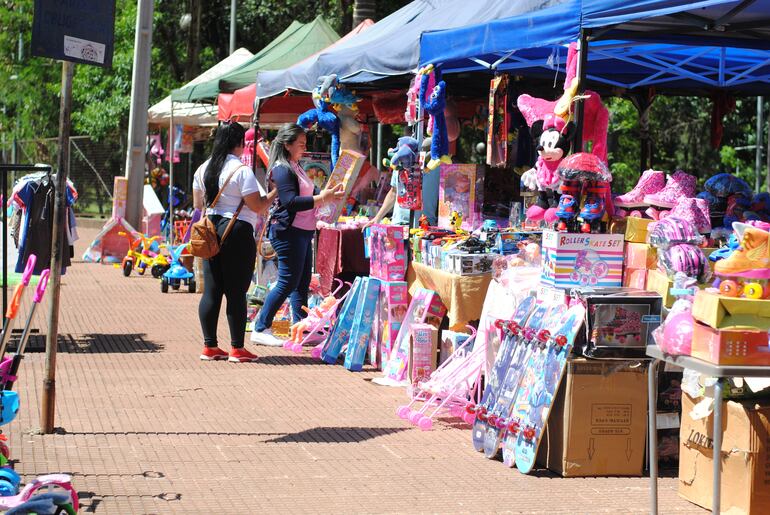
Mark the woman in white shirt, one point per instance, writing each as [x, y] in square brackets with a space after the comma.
[229, 273]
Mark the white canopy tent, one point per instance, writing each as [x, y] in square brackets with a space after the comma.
[196, 114]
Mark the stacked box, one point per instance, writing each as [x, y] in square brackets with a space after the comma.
[388, 252]
[737, 346]
[464, 263]
[639, 258]
[422, 352]
[721, 312]
[340, 333]
[571, 260]
[394, 301]
[636, 229]
[426, 307]
[363, 323]
[461, 189]
[346, 173]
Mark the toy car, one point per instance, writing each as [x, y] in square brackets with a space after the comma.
[177, 274]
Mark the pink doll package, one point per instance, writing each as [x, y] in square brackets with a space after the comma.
[388, 252]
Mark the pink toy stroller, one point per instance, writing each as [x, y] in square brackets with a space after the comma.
[449, 387]
[318, 325]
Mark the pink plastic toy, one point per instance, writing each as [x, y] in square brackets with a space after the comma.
[55, 481]
[316, 326]
[449, 388]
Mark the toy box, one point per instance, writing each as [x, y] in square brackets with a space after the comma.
[641, 256]
[363, 323]
[464, 263]
[659, 282]
[461, 189]
[340, 333]
[635, 278]
[730, 346]
[450, 342]
[422, 352]
[619, 321]
[425, 307]
[636, 229]
[388, 252]
[505, 243]
[570, 260]
[394, 300]
[345, 172]
[722, 312]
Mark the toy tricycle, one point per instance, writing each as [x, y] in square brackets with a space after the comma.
[177, 274]
[141, 256]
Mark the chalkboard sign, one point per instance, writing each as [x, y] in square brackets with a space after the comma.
[81, 31]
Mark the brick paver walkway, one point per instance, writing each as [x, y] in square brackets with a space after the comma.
[144, 427]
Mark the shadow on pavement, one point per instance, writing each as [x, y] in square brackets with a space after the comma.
[337, 434]
[289, 360]
[106, 343]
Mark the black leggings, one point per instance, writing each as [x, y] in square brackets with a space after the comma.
[228, 273]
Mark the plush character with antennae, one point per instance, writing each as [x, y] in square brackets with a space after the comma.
[434, 104]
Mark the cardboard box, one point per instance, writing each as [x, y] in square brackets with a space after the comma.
[635, 278]
[722, 312]
[450, 342]
[464, 263]
[598, 425]
[571, 260]
[730, 346]
[387, 249]
[423, 349]
[119, 197]
[394, 300]
[346, 173]
[461, 189]
[745, 455]
[641, 256]
[363, 324]
[636, 229]
[659, 282]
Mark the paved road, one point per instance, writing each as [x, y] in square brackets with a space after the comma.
[145, 427]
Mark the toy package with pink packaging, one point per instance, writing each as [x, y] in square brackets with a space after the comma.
[425, 307]
[345, 172]
[570, 260]
[387, 249]
[394, 300]
[461, 189]
[422, 352]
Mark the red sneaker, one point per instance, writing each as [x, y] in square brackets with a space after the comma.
[241, 355]
[213, 354]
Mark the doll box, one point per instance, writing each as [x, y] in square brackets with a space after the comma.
[363, 323]
[422, 352]
[571, 260]
[461, 189]
[425, 307]
[730, 346]
[464, 263]
[345, 172]
[721, 312]
[394, 300]
[641, 255]
[635, 278]
[636, 229]
[340, 333]
[388, 252]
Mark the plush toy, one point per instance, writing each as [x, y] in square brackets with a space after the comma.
[435, 105]
[325, 118]
[405, 153]
[456, 221]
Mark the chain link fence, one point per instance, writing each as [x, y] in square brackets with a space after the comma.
[93, 167]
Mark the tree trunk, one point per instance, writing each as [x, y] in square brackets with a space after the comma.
[192, 66]
[363, 9]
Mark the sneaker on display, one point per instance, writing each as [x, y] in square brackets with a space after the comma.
[680, 185]
[651, 182]
[266, 337]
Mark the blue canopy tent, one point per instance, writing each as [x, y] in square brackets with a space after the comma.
[672, 43]
[390, 48]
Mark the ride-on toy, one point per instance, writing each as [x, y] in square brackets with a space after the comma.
[177, 274]
[141, 257]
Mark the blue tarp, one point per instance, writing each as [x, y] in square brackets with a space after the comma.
[391, 46]
[679, 44]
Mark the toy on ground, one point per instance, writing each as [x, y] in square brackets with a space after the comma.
[538, 390]
[314, 328]
[447, 390]
[746, 271]
[177, 274]
[434, 104]
[511, 331]
[57, 490]
[140, 254]
[499, 420]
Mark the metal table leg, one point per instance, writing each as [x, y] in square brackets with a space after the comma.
[652, 433]
[717, 484]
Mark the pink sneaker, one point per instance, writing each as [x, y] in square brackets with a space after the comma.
[680, 185]
[651, 182]
[691, 210]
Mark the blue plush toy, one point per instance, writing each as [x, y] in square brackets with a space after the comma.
[405, 153]
[435, 105]
[325, 118]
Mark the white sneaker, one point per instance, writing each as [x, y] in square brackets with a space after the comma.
[266, 337]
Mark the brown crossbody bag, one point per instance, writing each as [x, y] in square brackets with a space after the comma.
[204, 242]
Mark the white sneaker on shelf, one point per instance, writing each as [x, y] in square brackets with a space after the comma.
[266, 337]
